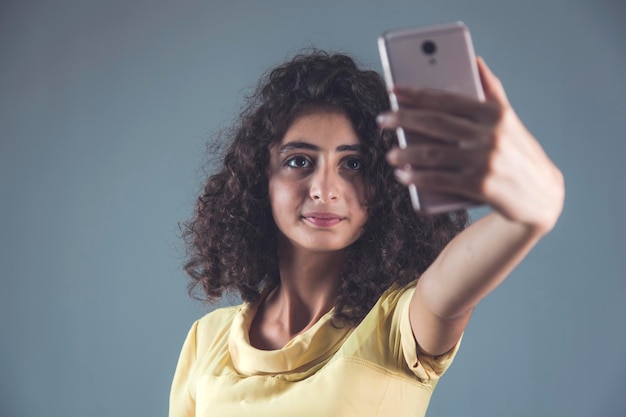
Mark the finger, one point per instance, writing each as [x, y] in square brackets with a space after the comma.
[437, 125]
[443, 181]
[444, 101]
[438, 157]
[494, 91]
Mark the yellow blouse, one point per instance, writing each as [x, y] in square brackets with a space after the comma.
[374, 369]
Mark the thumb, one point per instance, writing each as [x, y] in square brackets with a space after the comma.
[494, 91]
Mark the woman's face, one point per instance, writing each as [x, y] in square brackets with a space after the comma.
[316, 183]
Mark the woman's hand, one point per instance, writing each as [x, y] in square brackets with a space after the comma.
[477, 149]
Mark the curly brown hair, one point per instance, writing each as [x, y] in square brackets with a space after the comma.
[232, 238]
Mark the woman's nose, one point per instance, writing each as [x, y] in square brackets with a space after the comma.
[325, 186]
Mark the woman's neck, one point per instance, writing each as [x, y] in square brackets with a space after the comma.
[307, 291]
[308, 281]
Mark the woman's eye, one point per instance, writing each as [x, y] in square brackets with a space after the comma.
[298, 162]
[353, 164]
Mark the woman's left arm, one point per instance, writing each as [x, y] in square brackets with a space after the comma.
[483, 151]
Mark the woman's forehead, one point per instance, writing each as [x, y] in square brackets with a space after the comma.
[323, 129]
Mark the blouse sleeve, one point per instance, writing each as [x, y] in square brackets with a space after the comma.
[425, 367]
[182, 395]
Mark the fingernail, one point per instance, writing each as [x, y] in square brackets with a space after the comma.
[383, 118]
[401, 174]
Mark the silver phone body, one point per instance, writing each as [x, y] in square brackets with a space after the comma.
[451, 66]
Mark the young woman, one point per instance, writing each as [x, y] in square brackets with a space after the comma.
[354, 304]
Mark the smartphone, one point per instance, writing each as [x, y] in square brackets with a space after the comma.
[437, 57]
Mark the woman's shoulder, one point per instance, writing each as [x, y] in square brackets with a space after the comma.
[391, 297]
[384, 317]
[213, 328]
[219, 317]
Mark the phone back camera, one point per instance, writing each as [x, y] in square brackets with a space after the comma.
[429, 47]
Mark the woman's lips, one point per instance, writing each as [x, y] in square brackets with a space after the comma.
[323, 219]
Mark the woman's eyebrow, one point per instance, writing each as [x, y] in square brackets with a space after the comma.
[309, 146]
[350, 148]
[297, 145]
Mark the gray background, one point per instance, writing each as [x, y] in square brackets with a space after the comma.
[104, 110]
